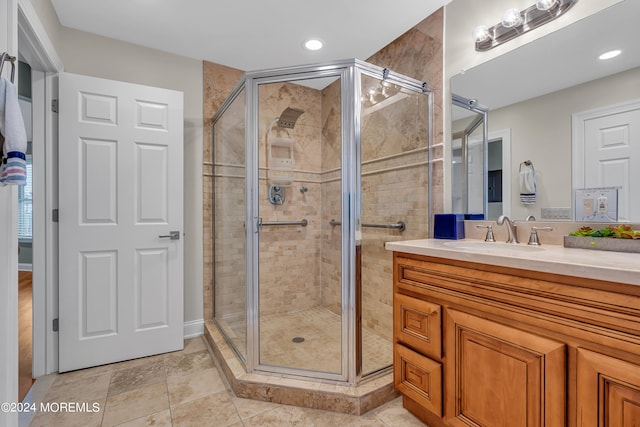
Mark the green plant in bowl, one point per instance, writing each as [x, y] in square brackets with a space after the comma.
[622, 231]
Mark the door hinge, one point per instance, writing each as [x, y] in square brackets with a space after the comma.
[55, 325]
[54, 105]
[54, 215]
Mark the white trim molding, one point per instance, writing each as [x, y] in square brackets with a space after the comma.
[9, 250]
[25, 267]
[35, 34]
[38, 49]
[193, 328]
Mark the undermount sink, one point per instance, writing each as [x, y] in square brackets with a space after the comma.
[482, 246]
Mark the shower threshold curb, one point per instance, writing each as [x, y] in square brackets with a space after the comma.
[348, 399]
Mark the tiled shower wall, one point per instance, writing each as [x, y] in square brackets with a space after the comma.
[418, 54]
[290, 273]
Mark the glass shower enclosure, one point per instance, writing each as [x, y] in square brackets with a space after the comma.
[315, 167]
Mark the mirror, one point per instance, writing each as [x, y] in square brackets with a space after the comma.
[550, 99]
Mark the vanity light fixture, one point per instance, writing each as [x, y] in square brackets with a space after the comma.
[515, 22]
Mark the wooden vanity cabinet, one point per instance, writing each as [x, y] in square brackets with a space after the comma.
[608, 391]
[479, 345]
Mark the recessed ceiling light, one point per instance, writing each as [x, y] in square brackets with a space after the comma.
[313, 44]
[610, 54]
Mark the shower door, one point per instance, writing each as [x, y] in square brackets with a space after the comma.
[332, 163]
[469, 156]
[229, 231]
[394, 167]
[299, 187]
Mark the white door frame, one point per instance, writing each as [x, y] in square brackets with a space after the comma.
[8, 249]
[45, 62]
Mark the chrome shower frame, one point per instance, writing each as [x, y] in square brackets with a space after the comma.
[350, 73]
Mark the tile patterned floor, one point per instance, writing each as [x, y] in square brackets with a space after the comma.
[322, 332]
[180, 389]
[321, 329]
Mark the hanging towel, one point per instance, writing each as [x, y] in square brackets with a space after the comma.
[13, 170]
[527, 183]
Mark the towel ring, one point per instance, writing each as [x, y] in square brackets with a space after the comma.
[6, 57]
[527, 163]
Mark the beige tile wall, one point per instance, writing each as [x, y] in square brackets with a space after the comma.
[290, 274]
[218, 83]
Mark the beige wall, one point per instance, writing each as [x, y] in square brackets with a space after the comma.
[92, 55]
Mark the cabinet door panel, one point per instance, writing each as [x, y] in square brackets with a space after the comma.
[417, 324]
[501, 376]
[608, 392]
[419, 378]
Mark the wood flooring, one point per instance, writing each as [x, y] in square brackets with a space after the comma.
[24, 333]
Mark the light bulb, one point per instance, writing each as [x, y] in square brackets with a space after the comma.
[511, 18]
[480, 33]
[610, 54]
[313, 44]
[545, 4]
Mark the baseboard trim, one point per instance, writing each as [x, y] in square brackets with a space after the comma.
[25, 267]
[193, 328]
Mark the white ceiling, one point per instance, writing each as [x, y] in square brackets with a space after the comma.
[250, 34]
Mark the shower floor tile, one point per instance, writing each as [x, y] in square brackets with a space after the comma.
[321, 332]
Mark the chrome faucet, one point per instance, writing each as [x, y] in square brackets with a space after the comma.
[512, 229]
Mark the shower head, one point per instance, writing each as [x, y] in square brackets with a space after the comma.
[289, 117]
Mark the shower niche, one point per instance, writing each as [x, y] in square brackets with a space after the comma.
[314, 168]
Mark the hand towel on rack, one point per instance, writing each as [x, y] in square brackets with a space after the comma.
[13, 170]
[527, 183]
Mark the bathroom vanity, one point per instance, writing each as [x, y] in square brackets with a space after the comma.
[510, 335]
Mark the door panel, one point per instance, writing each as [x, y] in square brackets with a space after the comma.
[120, 180]
[611, 147]
[502, 376]
[98, 290]
[607, 391]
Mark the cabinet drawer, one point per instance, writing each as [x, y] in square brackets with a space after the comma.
[417, 324]
[419, 378]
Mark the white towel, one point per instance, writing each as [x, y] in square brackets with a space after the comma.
[528, 186]
[13, 170]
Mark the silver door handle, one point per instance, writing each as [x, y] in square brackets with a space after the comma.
[173, 235]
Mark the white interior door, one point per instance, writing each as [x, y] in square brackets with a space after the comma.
[120, 192]
[611, 148]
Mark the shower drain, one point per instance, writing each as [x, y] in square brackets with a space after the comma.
[297, 340]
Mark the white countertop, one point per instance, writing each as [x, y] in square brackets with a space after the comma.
[603, 265]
